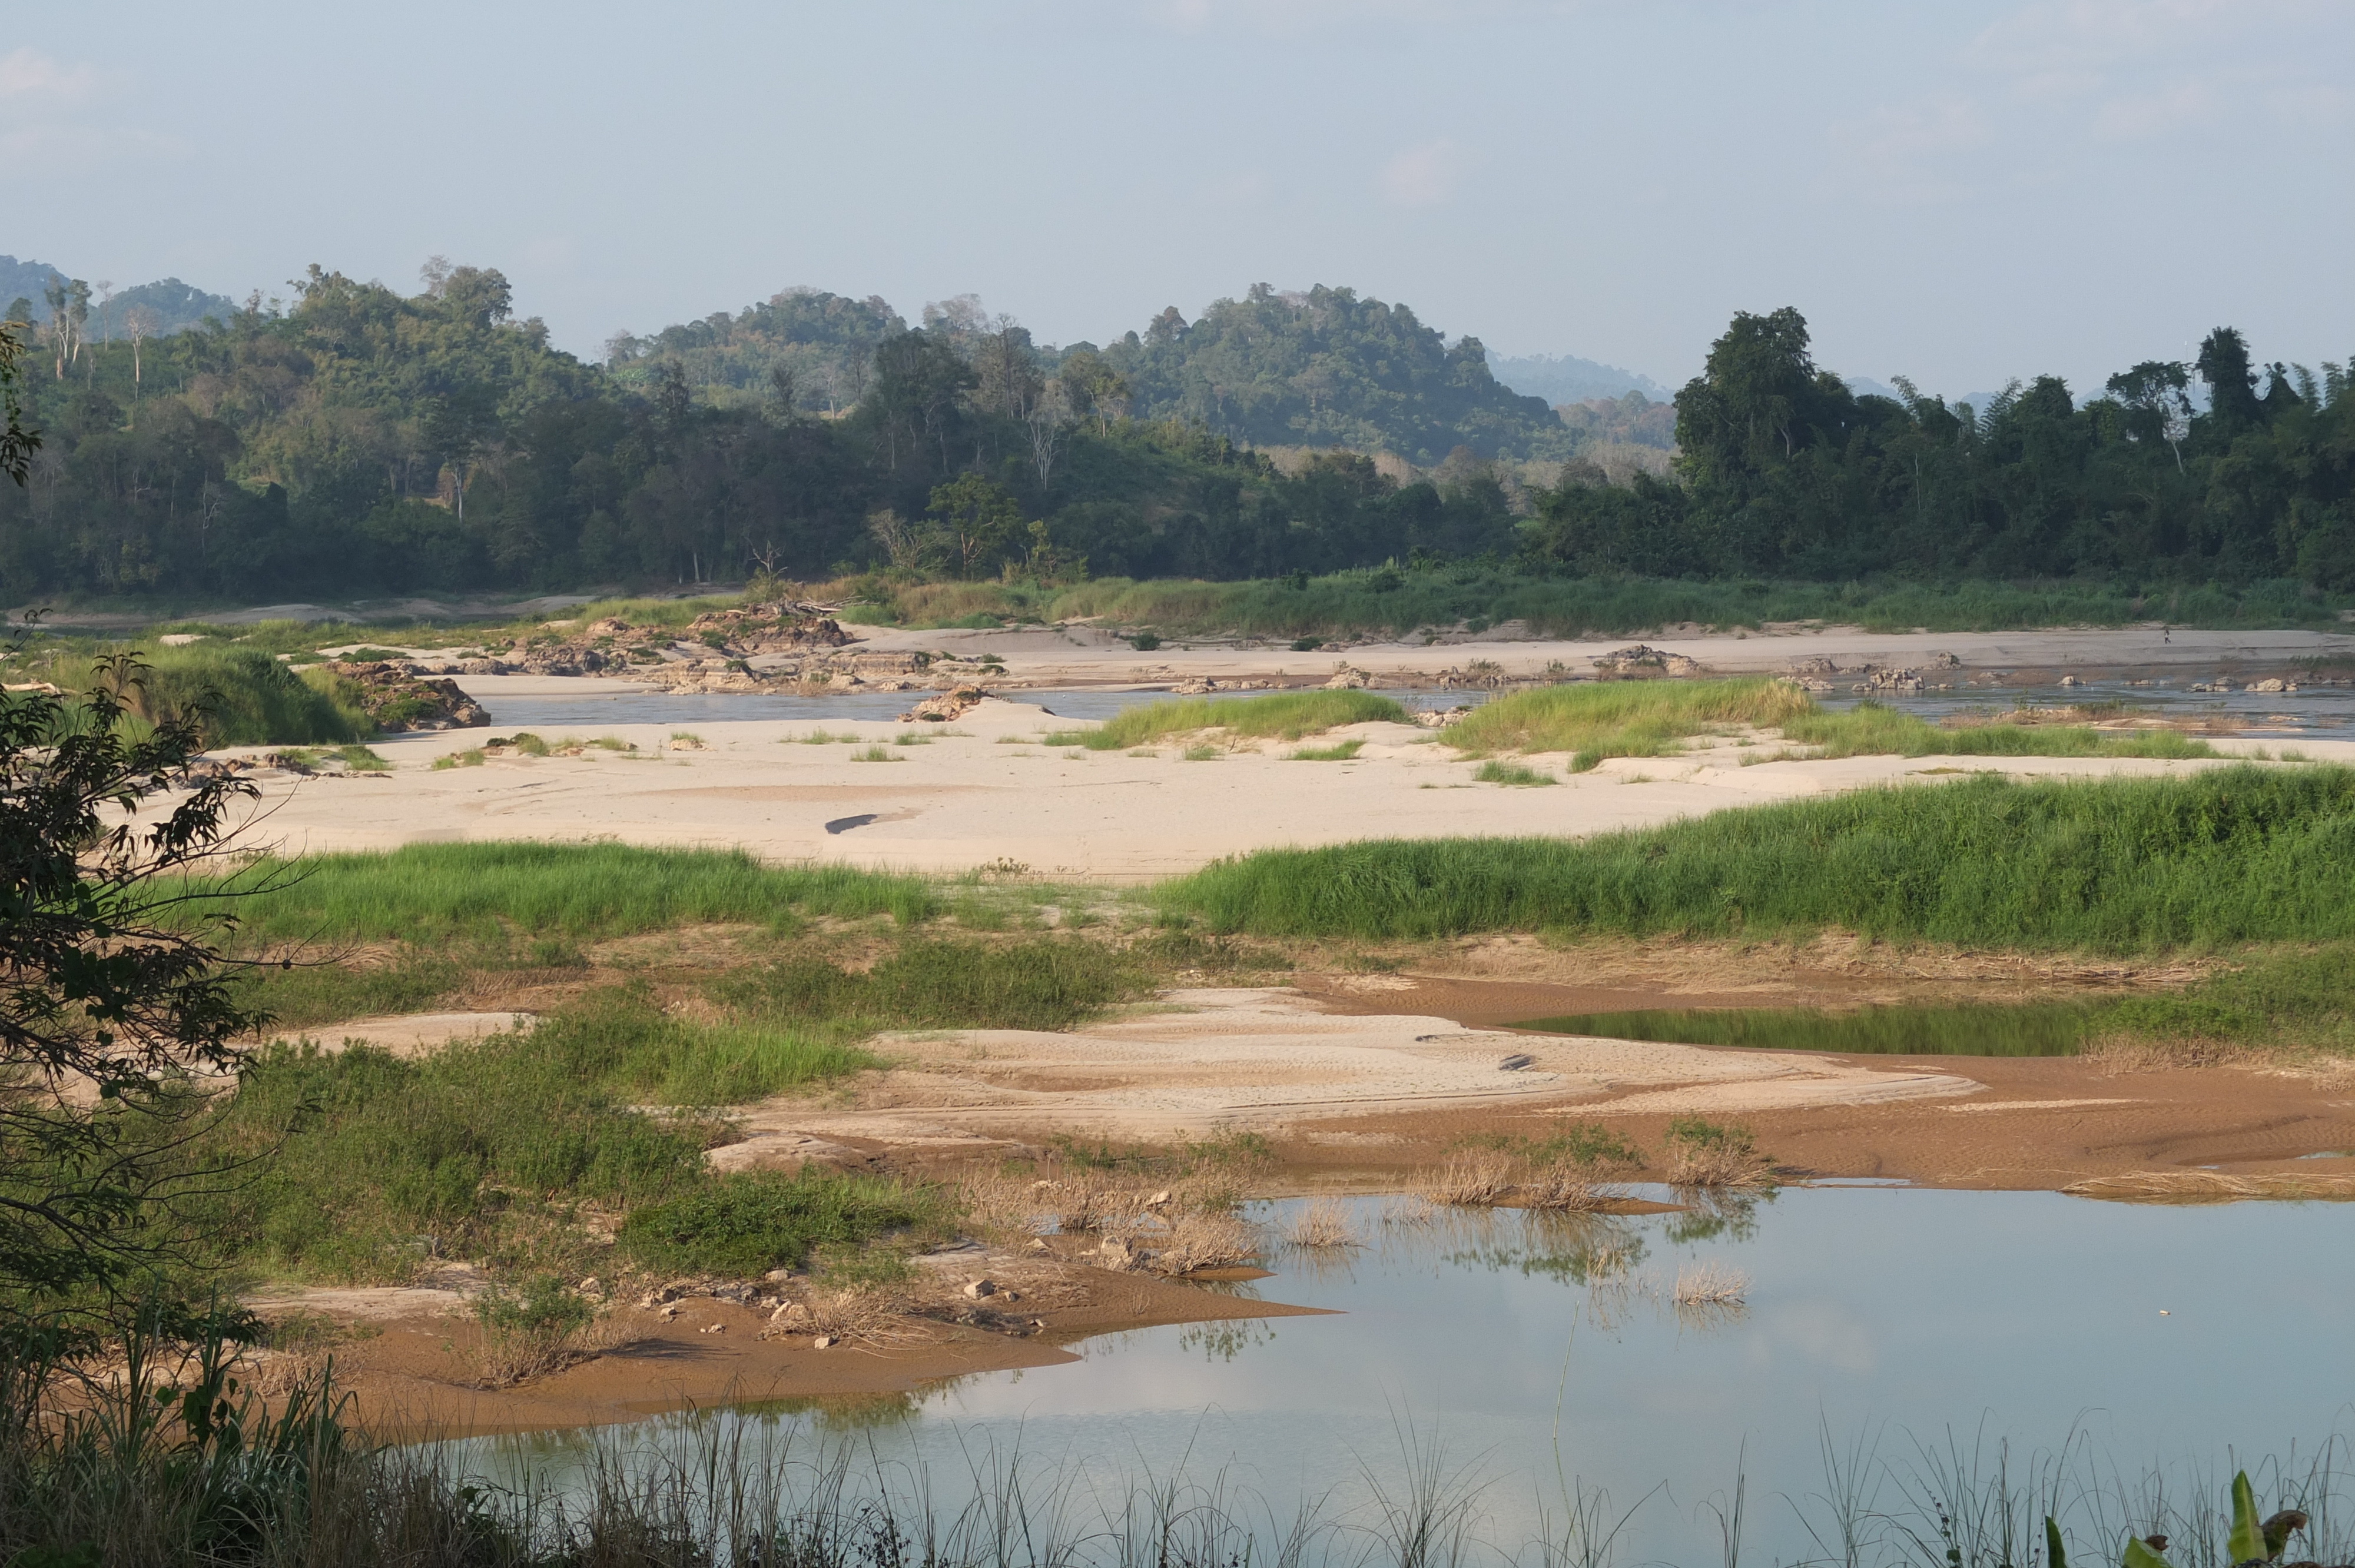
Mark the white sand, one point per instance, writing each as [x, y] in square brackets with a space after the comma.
[968, 799]
[1249, 1058]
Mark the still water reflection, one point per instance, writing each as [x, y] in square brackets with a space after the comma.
[1546, 1351]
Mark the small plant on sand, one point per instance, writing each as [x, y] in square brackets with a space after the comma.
[1343, 752]
[1701, 1153]
[1493, 772]
[910, 737]
[614, 743]
[1203, 754]
[686, 740]
[471, 757]
[875, 753]
[540, 1328]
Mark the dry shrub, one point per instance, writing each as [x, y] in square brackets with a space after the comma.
[1409, 1210]
[2115, 1055]
[1206, 1241]
[1704, 1154]
[1710, 1284]
[1007, 1206]
[1564, 1187]
[1323, 1223]
[2209, 1187]
[1472, 1182]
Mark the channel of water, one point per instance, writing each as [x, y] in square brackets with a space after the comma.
[1539, 1356]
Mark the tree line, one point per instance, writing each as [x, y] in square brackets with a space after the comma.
[358, 441]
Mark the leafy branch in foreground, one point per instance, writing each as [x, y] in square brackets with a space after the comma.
[113, 1001]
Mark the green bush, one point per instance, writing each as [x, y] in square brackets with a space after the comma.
[1040, 984]
[747, 1224]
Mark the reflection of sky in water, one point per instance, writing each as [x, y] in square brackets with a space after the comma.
[1511, 1339]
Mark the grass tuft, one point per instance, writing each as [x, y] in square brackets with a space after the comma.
[1495, 772]
[1343, 752]
[1281, 716]
[1623, 718]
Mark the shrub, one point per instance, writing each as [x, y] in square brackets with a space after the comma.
[745, 1225]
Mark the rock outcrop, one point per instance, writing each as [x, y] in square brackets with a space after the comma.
[400, 701]
[1639, 661]
[948, 705]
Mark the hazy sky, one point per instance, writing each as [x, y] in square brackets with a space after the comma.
[1961, 192]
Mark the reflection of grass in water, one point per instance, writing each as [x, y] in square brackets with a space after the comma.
[1224, 1342]
[1576, 1248]
[1716, 1216]
[1966, 1029]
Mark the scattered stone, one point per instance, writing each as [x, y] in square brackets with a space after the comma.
[592, 1286]
[978, 1288]
[1346, 679]
[826, 1342]
[1515, 1062]
[1038, 1244]
[2272, 684]
[788, 1313]
[1440, 718]
[713, 1328]
[1944, 661]
[1158, 1199]
[1114, 1253]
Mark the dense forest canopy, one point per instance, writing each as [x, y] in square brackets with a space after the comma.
[359, 440]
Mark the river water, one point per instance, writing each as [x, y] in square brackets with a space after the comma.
[1537, 1356]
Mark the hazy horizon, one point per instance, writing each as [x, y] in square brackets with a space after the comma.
[1963, 195]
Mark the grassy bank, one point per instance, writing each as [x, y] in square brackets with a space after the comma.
[1595, 720]
[2231, 855]
[1399, 602]
[248, 698]
[486, 893]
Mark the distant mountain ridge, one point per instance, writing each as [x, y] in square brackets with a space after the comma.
[178, 306]
[1566, 378]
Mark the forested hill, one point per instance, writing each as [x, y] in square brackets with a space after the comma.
[169, 305]
[1327, 368]
[1324, 369]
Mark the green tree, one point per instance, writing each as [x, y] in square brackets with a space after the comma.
[974, 522]
[113, 993]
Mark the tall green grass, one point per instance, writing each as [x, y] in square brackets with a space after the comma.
[2232, 855]
[1653, 718]
[1966, 1029]
[2302, 998]
[248, 698]
[487, 892]
[1623, 718]
[1287, 715]
[1874, 729]
[1044, 983]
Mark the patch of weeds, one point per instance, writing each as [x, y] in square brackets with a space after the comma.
[1145, 751]
[531, 1331]
[1064, 738]
[686, 740]
[1040, 983]
[302, 995]
[1341, 753]
[1364, 963]
[819, 738]
[1586, 1144]
[1514, 773]
[1145, 641]
[875, 753]
[1307, 644]
[746, 1224]
[1203, 754]
[910, 737]
[1182, 950]
[978, 914]
[614, 743]
[522, 741]
[1232, 1149]
[471, 757]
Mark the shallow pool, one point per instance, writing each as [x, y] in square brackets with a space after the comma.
[1540, 1357]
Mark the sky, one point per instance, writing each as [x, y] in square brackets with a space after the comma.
[1958, 192]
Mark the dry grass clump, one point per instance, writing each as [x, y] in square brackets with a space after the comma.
[538, 1332]
[1472, 1182]
[1564, 1187]
[2209, 1187]
[1204, 1240]
[2117, 1056]
[1710, 1284]
[1704, 1154]
[1325, 1223]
